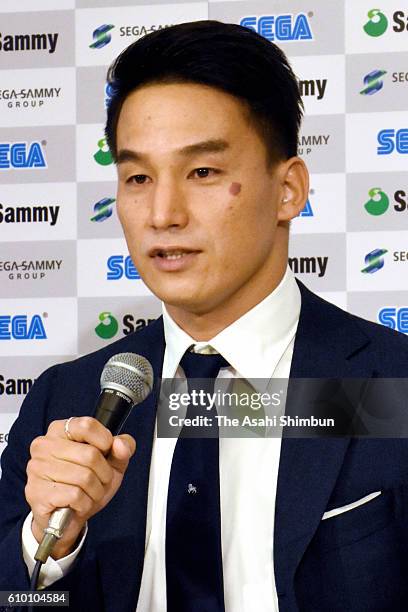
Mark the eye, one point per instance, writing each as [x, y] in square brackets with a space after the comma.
[204, 172]
[139, 179]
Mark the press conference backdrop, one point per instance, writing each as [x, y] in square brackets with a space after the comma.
[67, 283]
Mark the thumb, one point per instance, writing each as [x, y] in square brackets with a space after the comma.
[123, 448]
[127, 442]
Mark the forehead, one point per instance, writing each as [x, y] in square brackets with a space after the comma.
[179, 110]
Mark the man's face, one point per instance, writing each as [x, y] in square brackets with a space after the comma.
[196, 199]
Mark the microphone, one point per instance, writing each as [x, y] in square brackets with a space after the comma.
[126, 380]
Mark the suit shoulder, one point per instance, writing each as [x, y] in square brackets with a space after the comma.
[381, 333]
[133, 343]
[389, 344]
[71, 388]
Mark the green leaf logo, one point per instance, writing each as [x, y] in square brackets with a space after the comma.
[378, 202]
[377, 24]
[103, 156]
[108, 326]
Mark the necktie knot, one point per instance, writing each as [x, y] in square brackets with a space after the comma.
[198, 365]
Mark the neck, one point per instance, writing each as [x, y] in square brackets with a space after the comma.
[202, 326]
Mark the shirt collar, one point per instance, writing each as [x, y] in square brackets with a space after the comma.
[254, 343]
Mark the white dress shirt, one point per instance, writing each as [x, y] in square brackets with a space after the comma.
[259, 347]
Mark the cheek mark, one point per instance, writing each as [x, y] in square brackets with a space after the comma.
[235, 188]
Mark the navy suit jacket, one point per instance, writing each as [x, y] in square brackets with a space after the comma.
[357, 561]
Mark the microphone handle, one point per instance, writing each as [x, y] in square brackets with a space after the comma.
[112, 409]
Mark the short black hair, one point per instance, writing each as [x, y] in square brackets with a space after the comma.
[225, 56]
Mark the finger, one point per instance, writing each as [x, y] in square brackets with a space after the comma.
[50, 495]
[123, 448]
[83, 429]
[49, 451]
[76, 475]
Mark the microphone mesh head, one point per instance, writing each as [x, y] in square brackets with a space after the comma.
[130, 373]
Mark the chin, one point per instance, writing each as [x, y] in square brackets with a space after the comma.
[173, 293]
[185, 301]
[178, 300]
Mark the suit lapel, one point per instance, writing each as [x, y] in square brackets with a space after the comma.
[328, 344]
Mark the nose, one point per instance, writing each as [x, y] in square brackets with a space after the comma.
[168, 207]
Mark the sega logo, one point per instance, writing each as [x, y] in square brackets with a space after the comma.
[20, 327]
[21, 155]
[396, 318]
[119, 266]
[386, 141]
[280, 27]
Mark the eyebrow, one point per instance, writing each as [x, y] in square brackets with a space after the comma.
[217, 145]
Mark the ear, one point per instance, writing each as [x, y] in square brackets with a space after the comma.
[294, 190]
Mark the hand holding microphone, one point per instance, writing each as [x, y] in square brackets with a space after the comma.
[83, 474]
[70, 480]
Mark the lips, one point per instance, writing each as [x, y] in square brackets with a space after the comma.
[173, 258]
[171, 253]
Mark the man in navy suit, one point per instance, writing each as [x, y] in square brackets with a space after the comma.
[203, 126]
